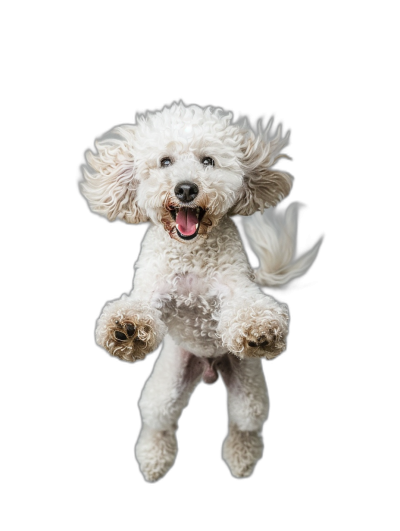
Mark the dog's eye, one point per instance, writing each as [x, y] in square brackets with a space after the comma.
[207, 161]
[166, 162]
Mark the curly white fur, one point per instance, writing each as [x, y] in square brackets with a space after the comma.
[200, 289]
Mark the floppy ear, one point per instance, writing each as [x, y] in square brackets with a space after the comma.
[111, 189]
[263, 186]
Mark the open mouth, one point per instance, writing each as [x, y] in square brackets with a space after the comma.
[187, 221]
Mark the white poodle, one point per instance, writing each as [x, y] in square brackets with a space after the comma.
[187, 170]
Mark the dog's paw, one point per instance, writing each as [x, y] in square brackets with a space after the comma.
[124, 339]
[129, 329]
[258, 331]
[241, 451]
[269, 345]
[156, 452]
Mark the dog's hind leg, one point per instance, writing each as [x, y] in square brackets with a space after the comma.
[165, 395]
[248, 407]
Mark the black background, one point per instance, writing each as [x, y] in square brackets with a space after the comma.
[95, 415]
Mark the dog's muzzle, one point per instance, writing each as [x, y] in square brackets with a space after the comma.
[187, 216]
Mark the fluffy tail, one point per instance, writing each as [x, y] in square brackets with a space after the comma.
[272, 236]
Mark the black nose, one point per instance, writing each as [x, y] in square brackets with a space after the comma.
[186, 192]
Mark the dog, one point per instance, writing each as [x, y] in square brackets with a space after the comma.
[187, 170]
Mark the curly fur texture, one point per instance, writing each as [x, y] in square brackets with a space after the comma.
[197, 291]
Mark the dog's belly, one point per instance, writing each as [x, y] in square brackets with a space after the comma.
[192, 323]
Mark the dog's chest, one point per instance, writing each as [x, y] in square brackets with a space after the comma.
[191, 311]
[191, 296]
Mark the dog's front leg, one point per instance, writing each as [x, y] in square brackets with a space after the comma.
[252, 324]
[167, 391]
[132, 327]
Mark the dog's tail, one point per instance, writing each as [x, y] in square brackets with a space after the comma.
[272, 236]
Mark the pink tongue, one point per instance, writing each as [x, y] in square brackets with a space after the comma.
[186, 221]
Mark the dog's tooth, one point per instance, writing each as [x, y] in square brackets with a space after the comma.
[197, 226]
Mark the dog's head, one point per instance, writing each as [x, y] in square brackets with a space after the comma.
[185, 167]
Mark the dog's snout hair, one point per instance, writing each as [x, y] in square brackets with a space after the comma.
[186, 192]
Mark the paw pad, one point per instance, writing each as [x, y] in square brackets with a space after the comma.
[128, 331]
[268, 345]
[126, 339]
[262, 342]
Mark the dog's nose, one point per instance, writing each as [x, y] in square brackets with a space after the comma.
[186, 192]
